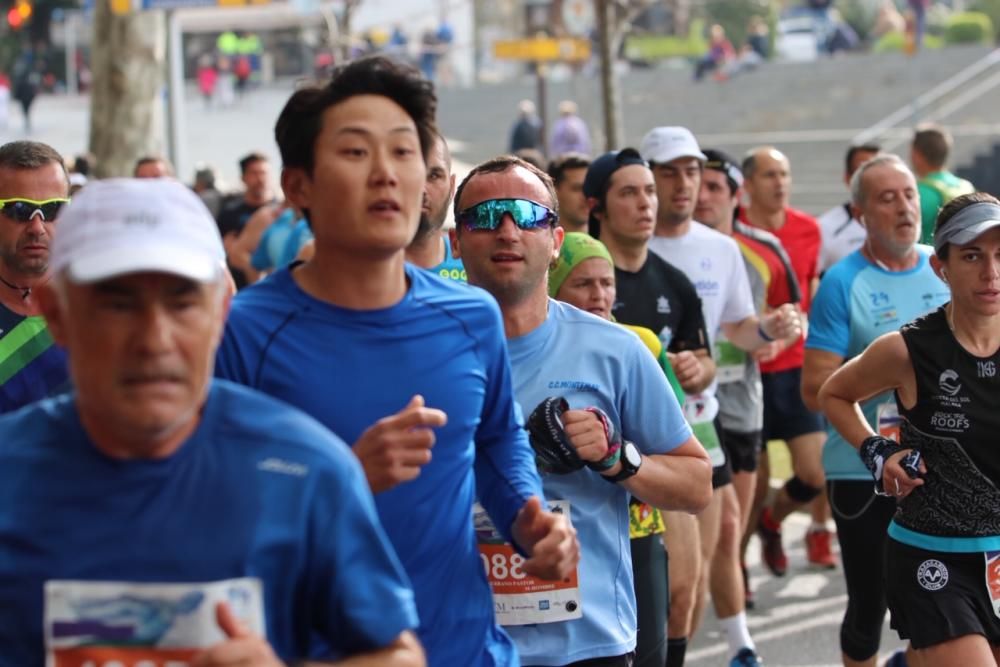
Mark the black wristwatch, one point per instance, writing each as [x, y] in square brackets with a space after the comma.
[630, 459]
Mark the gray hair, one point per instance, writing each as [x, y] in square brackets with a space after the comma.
[857, 180]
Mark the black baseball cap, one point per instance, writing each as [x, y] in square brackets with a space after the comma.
[595, 183]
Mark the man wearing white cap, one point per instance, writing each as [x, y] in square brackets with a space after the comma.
[714, 264]
[163, 515]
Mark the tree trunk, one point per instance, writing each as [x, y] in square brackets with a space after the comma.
[126, 108]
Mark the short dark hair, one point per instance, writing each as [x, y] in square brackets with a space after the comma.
[499, 165]
[933, 142]
[28, 155]
[566, 162]
[249, 159]
[84, 163]
[301, 121]
[152, 159]
[951, 209]
[722, 162]
[854, 149]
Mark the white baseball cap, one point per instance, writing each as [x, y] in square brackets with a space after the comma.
[663, 144]
[129, 225]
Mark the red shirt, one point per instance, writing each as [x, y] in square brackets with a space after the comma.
[800, 236]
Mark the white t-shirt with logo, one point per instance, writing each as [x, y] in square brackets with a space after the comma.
[842, 234]
[714, 264]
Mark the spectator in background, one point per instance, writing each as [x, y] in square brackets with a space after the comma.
[720, 51]
[207, 78]
[204, 186]
[888, 20]
[4, 101]
[917, 24]
[758, 37]
[569, 133]
[152, 166]
[26, 86]
[527, 130]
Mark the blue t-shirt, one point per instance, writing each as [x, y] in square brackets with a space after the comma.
[856, 303]
[350, 368]
[258, 490]
[593, 362]
[32, 366]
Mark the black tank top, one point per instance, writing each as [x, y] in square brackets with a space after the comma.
[955, 424]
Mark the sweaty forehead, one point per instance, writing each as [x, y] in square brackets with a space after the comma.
[514, 183]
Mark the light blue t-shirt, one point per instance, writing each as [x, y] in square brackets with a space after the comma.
[856, 303]
[269, 250]
[592, 362]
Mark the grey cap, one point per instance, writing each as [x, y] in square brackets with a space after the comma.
[968, 224]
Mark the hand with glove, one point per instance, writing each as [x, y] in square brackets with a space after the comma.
[566, 440]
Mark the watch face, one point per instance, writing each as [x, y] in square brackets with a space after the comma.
[631, 454]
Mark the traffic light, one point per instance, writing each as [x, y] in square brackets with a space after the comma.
[19, 14]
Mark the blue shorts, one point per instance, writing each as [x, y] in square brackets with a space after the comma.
[785, 415]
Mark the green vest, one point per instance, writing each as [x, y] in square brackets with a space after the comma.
[936, 190]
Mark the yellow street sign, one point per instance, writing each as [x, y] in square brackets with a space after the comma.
[567, 49]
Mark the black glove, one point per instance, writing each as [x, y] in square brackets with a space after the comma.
[554, 453]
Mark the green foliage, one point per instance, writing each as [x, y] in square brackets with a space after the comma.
[969, 28]
[659, 47]
[860, 15]
[896, 41]
[992, 9]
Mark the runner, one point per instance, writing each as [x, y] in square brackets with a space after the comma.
[740, 404]
[431, 248]
[507, 235]
[567, 172]
[152, 166]
[842, 232]
[942, 555]
[151, 476]
[361, 340]
[653, 294]
[929, 152]
[888, 282]
[768, 178]
[255, 171]
[713, 263]
[33, 188]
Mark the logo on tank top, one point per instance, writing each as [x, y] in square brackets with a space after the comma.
[986, 369]
[662, 304]
[932, 575]
[949, 382]
[951, 390]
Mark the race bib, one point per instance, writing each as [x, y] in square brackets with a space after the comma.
[700, 411]
[127, 624]
[518, 598]
[730, 362]
[888, 420]
[993, 579]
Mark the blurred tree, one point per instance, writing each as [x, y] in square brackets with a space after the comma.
[128, 63]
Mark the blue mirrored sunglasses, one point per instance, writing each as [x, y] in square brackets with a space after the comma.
[487, 215]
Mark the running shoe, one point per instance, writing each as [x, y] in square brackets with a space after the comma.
[747, 657]
[772, 552]
[818, 548]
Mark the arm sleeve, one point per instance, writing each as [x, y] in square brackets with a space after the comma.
[829, 317]
[506, 475]
[650, 414]
[359, 595]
